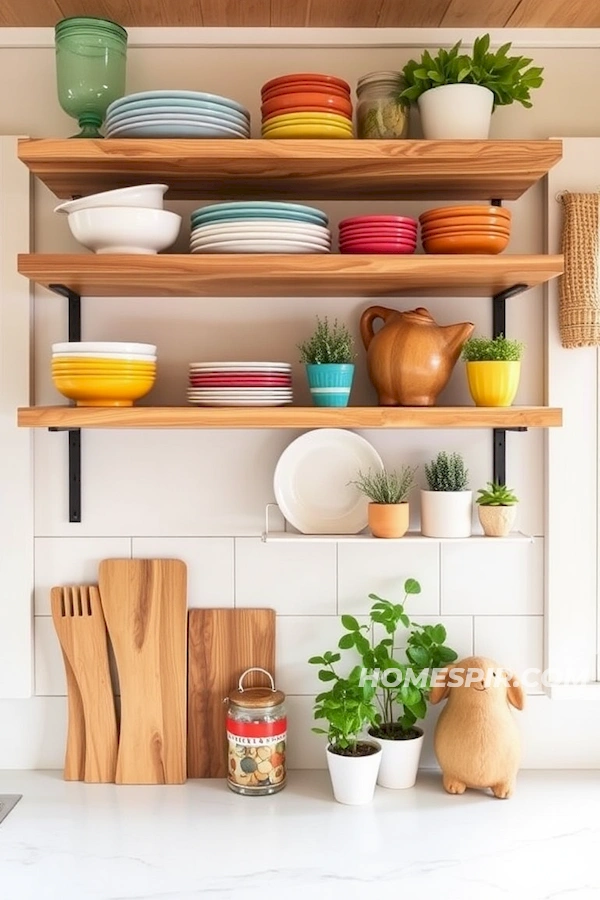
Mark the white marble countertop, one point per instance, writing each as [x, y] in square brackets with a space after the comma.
[72, 841]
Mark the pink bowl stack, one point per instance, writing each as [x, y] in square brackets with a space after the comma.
[378, 234]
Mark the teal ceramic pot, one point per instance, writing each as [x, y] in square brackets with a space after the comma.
[330, 383]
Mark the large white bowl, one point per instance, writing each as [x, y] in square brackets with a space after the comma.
[94, 347]
[147, 196]
[124, 229]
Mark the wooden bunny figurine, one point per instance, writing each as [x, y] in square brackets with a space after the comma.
[476, 738]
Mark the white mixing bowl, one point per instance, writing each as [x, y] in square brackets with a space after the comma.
[149, 196]
[124, 229]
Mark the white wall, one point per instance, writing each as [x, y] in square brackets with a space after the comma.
[201, 496]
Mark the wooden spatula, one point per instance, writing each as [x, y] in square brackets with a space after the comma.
[82, 632]
[74, 768]
[145, 606]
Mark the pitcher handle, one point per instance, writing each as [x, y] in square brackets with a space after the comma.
[366, 322]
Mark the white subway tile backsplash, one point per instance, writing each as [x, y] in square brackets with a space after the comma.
[71, 560]
[381, 568]
[516, 642]
[50, 678]
[493, 579]
[305, 749]
[209, 564]
[293, 579]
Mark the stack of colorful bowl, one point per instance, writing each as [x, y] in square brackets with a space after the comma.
[103, 373]
[259, 226]
[378, 234]
[240, 383]
[176, 114]
[306, 106]
[465, 229]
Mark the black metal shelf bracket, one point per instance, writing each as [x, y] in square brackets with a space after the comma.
[74, 434]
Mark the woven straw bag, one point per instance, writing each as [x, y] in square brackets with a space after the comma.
[579, 302]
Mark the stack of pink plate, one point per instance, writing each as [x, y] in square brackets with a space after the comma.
[378, 234]
[240, 384]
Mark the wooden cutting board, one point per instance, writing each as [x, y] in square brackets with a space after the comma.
[222, 643]
[145, 607]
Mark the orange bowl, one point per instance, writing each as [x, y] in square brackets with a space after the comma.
[466, 243]
[309, 87]
[305, 101]
[305, 76]
[468, 221]
[445, 212]
[457, 229]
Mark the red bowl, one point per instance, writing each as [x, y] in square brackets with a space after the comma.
[378, 247]
[305, 100]
[379, 238]
[236, 382]
[368, 231]
[306, 87]
[378, 220]
[296, 77]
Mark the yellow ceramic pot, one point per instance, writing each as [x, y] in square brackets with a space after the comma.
[388, 520]
[493, 383]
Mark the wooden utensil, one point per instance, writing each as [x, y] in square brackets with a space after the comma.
[222, 644]
[74, 768]
[145, 606]
[80, 624]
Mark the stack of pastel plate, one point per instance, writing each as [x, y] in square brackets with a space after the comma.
[176, 114]
[240, 384]
[306, 106]
[259, 226]
[103, 373]
[378, 234]
[465, 229]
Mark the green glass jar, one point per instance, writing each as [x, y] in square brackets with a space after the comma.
[379, 116]
[91, 56]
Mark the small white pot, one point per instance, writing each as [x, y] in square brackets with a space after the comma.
[399, 762]
[446, 514]
[456, 111]
[497, 521]
[353, 778]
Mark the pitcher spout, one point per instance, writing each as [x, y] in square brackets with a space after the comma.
[456, 336]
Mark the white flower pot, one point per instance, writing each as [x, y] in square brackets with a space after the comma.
[446, 514]
[456, 111]
[399, 762]
[497, 521]
[353, 778]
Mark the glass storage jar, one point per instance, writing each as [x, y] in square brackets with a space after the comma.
[256, 738]
[379, 116]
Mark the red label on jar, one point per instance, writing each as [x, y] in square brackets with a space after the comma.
[257, 729]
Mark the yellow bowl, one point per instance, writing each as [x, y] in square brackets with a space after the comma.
[325, 118]
[108, 370]
[97, 361]
[307, 131]
[493, 383]
[90, 390]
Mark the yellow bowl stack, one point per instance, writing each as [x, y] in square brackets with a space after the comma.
[103, 373]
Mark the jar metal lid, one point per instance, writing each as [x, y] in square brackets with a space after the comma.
[256, 698]
[378, 78]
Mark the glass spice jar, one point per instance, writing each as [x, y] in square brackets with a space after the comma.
[379, 116]
[256, 737]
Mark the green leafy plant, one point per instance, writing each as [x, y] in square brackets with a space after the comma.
[328, 344]
[496, 495]
[482, 349]
[387, 486]
[509, 78]
[347, 707]
[447, 472]
[400, 701]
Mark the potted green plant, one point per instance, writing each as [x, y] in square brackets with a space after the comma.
[457, 92]
[348, 708]
[493, 369]
[446, 507]
[388, 492]
[329, 359]
[497, 509]
[403, 686]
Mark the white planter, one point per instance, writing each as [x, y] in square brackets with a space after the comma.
[446, 514]
[497, 521]
[456, 111]
[399, 762]
[353, 778]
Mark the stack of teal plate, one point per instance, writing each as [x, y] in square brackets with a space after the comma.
[176, 114]
[259, 226]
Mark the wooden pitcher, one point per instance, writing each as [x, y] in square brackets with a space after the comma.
[411, 357]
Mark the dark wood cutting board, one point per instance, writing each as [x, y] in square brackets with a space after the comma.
[222, 643]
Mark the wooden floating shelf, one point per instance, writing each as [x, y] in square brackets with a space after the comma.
[66, 417]
[296, 275]
[325, 169]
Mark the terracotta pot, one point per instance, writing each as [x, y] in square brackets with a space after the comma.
[411, 358]
[497, 521]
[388, 520]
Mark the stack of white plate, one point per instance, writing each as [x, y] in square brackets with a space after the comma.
[259, 226]
[176, 114]
[240, 384]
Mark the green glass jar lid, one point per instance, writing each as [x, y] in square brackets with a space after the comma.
[77, 22]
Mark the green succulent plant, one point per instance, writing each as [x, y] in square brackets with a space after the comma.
[496, 495]
[499, 349]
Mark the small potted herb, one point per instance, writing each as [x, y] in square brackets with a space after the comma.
[457, 92]
[348, 708]
[497, 509]
[388, 492]
[402, 686]
[493, 369]
[446, 507]
[329, 359]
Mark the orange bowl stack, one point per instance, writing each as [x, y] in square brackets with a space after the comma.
[103, 373]
[465, 229]
[306, 106]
